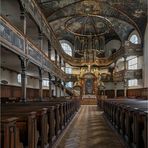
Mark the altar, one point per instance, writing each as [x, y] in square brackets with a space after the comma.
[89, 82]
[89, 97]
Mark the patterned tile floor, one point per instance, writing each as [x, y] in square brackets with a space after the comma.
[89, 129]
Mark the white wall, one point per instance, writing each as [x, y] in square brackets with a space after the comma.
[113, 44]
[145, 72]
[140, 85]
[140, 62]
[11, 77]
[32, 82]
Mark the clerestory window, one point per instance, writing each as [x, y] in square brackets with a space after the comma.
[66, 47]
[134, 39]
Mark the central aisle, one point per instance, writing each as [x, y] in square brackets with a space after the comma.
[89, 129]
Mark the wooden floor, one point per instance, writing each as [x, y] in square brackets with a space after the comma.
[88, 102]
[89, 129]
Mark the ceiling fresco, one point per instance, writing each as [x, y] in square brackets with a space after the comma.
[124, 16]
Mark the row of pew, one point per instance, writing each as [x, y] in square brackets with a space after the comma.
[130, 119]
[35, 124]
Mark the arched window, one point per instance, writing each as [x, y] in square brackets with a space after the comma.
[19, 78]
[66, 47]
[52, 55]
[134, 39]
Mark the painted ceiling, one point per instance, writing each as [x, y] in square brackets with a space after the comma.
[124, 16]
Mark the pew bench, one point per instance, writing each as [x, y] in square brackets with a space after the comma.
[130, 118]
[50, 118]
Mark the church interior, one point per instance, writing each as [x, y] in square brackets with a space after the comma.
[74, 74]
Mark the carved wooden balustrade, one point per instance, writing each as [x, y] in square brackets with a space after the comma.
[127, 74]
[14, 40]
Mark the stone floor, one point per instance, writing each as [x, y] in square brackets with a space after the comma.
[89, 129]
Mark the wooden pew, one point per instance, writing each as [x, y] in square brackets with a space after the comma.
[8, 132]
[130, 118]
[51, 117]
[43, 124]
[26, 127]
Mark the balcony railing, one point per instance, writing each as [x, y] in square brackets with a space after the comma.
[11, 35]
[127, 74]
[17, 42]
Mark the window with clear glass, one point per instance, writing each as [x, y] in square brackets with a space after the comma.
[132, 82]
[132, 63]
[52, 55]
[19, 80]
[67, 49]
[68, 70]
[45, 83]
[69, 84]
[134, 39]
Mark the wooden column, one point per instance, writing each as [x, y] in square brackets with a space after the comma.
[50, 83]
[56, 92]
[23, 18]
[125, 80]
[60, 86]
[49, 50]
[60, 62]
[41, 40]
[55, 57]
[40, 85]
[64, 89]
[24, 63]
